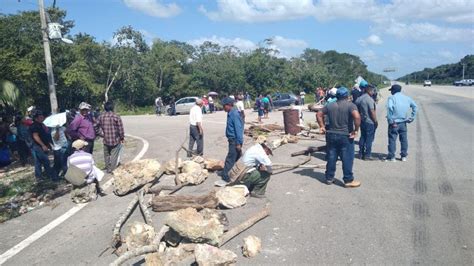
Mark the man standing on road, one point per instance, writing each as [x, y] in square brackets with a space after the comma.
[302, 96]
[235, 135]
[159, 106]
[111, 129]
[398, 106]
[41, 146]
[344, 122]
[196, 134]
[240, 107]
[82, 127]
[368, 115]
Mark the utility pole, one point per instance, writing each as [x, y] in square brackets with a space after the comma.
[47, 58]
[463, 68]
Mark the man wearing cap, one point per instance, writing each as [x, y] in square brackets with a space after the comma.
[369, 124]
[113, 134]
[82, 127]
[196, 133]
[84, 161]
[398, 106]
[41, 146]
[344, 122]
[235, 135]
[331, 97]
[357, 90]
[257, 177]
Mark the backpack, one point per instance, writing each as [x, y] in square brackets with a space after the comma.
[76, 176]
[237, 172]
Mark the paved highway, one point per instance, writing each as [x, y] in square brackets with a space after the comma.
[415, 212]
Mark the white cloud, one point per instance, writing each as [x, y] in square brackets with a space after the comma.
[368, 56]
[285, 47]
[419, 16]
[446, 54]
[154, 8]
[371, 40]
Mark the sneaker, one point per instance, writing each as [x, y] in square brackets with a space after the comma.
[370, 158]
[389, 160]
[404, 159]
[352, 184]
[330, 182]
[221, 183]
[256, 195]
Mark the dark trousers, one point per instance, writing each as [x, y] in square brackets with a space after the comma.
[112, 156]
[42, 160]
[60, 161]
[211, 108]
[339, 146]
[194, 136]
[393, 132]
[23, 151]
[90, 146]
[367, 135]
[256, 181]
[233, 156]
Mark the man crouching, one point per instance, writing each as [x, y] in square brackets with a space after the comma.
[254, 169]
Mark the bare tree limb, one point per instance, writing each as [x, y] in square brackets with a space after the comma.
[116, 238]
[308, 158]
[109, 85]
[143, 206]
[244, 226]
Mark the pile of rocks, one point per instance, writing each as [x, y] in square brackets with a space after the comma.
[192, 172]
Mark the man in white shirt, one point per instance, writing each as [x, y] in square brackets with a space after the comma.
[257, 177]
[302, 95]
[60, 146]
[195, 129]
[241, 108]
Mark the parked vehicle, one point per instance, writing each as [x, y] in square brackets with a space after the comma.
[283, 99]
[463, 82]
[183, 105]
[427, 83]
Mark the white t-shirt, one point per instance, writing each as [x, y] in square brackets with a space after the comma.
[195, 115]
[302, 94]
[210, 99]
[62, 141]
[240, 106]
[254, 156]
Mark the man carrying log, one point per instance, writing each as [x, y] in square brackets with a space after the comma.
[257, 177]
[344, 123]
[196, 134]
[235, 135]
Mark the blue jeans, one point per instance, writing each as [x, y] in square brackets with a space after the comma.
[367, 135]
[42, 160]
[341, 146]
[60, 160]
[232, 156]
[393, 132]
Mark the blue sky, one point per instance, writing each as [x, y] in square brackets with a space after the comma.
[408, 35]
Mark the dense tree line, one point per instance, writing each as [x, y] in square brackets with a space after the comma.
[444, 74]
[134, 73]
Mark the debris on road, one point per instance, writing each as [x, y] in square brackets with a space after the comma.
[252, 246]
[207, 255]
[232, 196]
[132, 175]
[177, 202]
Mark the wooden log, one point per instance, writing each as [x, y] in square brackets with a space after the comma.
[142, 250]
[277, 166]
[176, 202]
[116, 238]
[308, 151]
[308, 158]
[143, 207]
[244, 226]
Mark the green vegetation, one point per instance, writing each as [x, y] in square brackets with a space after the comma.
[138, 73]
[444, 74]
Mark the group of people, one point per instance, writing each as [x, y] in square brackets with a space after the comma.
[71, 142]
[341, 119]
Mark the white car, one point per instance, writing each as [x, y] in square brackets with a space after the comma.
[427, 83]
[183, 105]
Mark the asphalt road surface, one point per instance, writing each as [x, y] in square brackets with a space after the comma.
[415, 212]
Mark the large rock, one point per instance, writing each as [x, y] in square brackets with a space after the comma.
[135, 174]
[207, 255]
[194, 226]
[139, 234]
[192, 173]
[170, 166]
[213, 164]
[232, 196]
[198, 159]
[252, 246]
[84, 194]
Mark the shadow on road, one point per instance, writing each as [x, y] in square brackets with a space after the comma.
[318, 176]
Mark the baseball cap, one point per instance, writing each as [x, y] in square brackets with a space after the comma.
[342, 92]
[395, 87]
[363, 84]
[227, 101]
[84, 105]
[333, 91]
[79, 144]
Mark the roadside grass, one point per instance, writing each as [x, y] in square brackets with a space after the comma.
[125, 110]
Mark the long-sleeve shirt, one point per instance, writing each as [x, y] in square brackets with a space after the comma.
[111, 128]
[235, 128]
[81, 127]
[398, 106]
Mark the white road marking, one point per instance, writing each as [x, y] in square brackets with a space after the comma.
[45, 229]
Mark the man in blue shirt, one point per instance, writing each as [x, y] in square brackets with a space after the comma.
[234, 132]
[398, 106]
